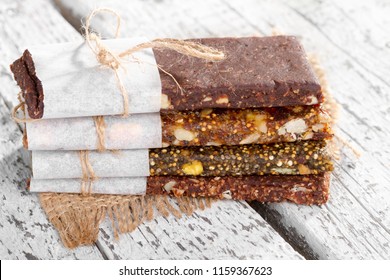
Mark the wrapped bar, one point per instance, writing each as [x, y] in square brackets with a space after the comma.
[257, 72]
[185, 128]
[307, 189]
[298, 158]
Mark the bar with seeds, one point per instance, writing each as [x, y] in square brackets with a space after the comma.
[237, 127]
[256, 72]
[299, 158]
[185, 128]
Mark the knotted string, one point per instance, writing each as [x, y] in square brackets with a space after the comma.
[108, 58]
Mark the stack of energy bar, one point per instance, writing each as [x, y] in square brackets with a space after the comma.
[249, 127]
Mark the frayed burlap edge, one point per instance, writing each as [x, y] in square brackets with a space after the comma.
[77, 217]
[333, 108]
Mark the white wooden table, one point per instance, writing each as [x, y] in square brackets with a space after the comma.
[351, 38]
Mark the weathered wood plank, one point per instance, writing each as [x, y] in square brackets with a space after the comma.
[163, 238]
[25, 233]
[356, 222]
[363, 184]
[227, 230]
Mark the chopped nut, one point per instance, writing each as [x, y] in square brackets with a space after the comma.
[312, 100]
[296, 126]
[213, 144]
[184, 134]
[227, 194]
[193, 168]
[205, 112]
[207, 99]
[252, 138]
[177, 192]
[222, 99]
[164, 144]
[168, 186]
[308, 135]
[317, 127]
[262, 126]
[303, 169]
[165, 103]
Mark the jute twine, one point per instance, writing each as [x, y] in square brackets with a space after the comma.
[88, 176]
[113, 60]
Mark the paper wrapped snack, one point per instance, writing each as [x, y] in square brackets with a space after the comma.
[66, 80]
[192, 128]
[299, 158]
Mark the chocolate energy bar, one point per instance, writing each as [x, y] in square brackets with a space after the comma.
[307, 189]
[257, 72]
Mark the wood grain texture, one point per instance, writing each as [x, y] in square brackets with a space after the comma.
[227, 230]
[24, 229]
[352, 41]
[25, 233]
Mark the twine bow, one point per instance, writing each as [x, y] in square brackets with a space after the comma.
[108, 58]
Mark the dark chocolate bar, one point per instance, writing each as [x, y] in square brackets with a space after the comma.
[257, 72]
[308, 189]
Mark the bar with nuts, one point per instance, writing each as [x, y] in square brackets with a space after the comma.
[244, 126]
[306, 189]
[184, 128]
[256, 72]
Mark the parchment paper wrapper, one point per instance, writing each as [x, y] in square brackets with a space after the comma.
[126, 185]
[80, 86]
[67, 164]
[138, 131]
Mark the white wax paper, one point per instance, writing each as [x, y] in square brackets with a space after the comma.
[76, 85]
[66, 164]
[122, 186]
[138, 131]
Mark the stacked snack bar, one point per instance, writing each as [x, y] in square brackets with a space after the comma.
[248, 127]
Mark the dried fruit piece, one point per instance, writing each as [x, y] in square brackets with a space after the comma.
[193, 168]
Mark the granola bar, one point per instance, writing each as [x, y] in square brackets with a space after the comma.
[307, 189]
[298, 158]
